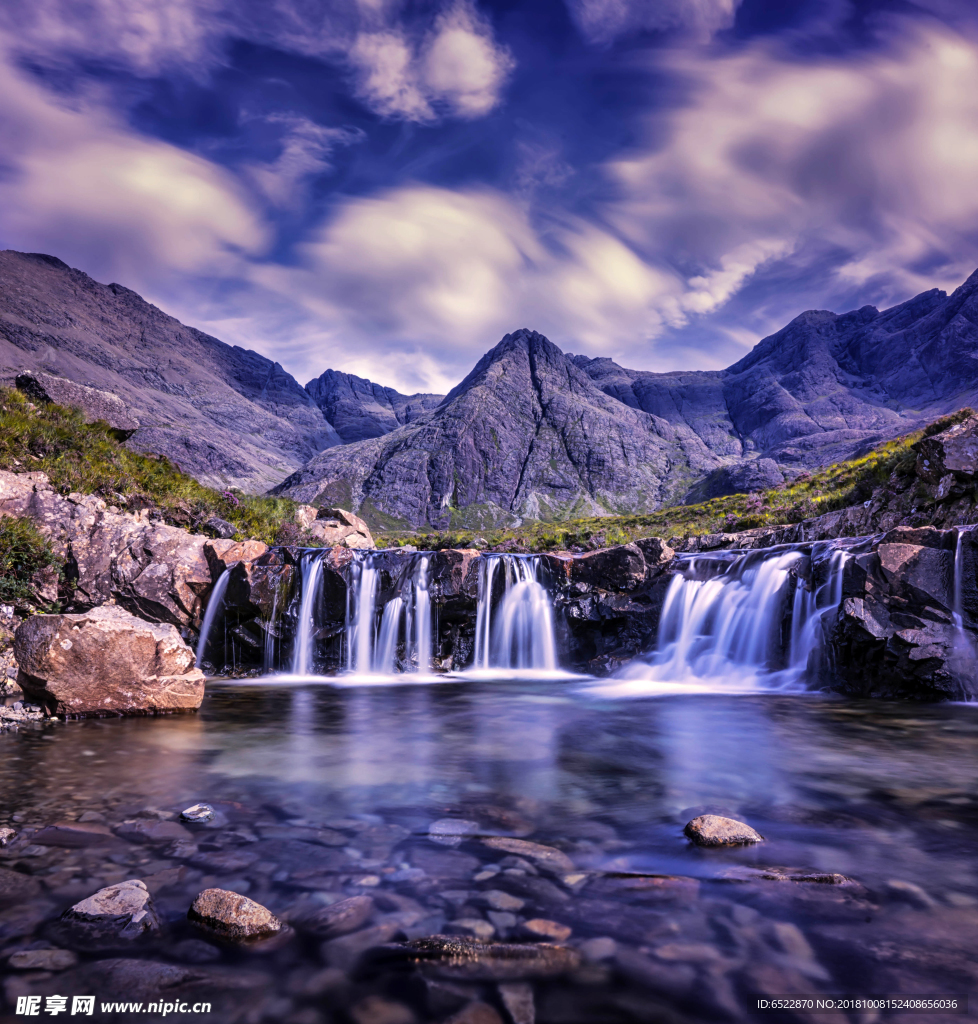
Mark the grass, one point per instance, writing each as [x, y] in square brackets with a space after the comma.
[86, 458]
[23, 552]
[887, 471]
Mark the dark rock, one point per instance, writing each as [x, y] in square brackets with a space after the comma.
[343, 952]
[232, 916]
[339, 918]
[618, 568]
[73, 834]
[545, 857]
[377, 1010]
[517, 998]
[94, 404]
[742, 478]
[476, 1013]
[953, 452]
[16, 887]
[714, 830]
[221, 528]
[194, 951]
[146, 830]
[463, 959]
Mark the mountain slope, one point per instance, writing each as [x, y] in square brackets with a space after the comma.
[527, 433]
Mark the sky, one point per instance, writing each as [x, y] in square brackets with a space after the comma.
[386, 187]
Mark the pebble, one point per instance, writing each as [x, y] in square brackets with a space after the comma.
[713, 830]
[233, 916]
[43, 960]
[517, 998]
[541, 928]
[198, 813]
[6, 835]
[474, 926]
[124, 910]
[377, 1010]
[545, 857]
[340, 918]
[73, 834]
[149, 830]
[596, 950]
[451, 831]
[499, 900]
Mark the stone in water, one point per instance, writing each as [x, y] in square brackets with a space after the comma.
[714, 830]
[198, 813]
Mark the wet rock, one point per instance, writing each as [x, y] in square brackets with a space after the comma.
[222, 554]
[499, 900]
[596, 950]
[714, 830]
[517, 998]
[198, 813]
[647, 887]
[346, 950]
[7, 835]
[195, 951]
[672, 979]
[223, 861]
[16, 887]
[617, 568]
[541, 928]
[142, 980]
[475, 927]
[42, 960]
[475, 1013]
[73, 834]
[123, 911]
[377, 1010]
[451, 831]
[545, 857]
[468, 959]
[146, 830]
[444, 863]
[339, 918]
[908, 892]
[106, 662]
[232, 916]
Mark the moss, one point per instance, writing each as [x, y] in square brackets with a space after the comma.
[88, 458]
[23, 552]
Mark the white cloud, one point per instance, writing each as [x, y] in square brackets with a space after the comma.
[84, 187]
[602, 21]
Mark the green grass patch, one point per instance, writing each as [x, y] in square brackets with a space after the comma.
[23, 552]
[88, 459]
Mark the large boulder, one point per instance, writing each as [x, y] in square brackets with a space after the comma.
[335, 527]
[93, 403]
[950, 459]
[106, 662]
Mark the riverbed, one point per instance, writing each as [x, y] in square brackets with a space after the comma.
[866, 883]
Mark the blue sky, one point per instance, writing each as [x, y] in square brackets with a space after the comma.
[387, 187]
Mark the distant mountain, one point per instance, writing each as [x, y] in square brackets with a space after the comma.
[527, 432]
[359, 409]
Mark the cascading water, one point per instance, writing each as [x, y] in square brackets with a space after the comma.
[518, 632]
[404, 620]
[730, 621]
[304, 649]
[214, 605]
[964, 657]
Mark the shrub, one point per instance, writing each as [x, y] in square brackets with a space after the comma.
[23, 552]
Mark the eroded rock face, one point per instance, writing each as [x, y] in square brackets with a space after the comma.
[951, 454]
[106, 662]
[95, 404]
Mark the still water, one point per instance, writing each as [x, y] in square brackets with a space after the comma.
[867, 882]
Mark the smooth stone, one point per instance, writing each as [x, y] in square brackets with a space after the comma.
[146, 830]
[124, 910]
[339, 918]
[541, 928]
[517, 998]
[233, 916]
[713, 830]
[451, 831]
[198, 813]
[43, 960]
[596, 950]
[73, 834]
[545, 857]
[499, 900]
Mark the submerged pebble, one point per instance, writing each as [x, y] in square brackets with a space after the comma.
[233, 916]
[714, 830]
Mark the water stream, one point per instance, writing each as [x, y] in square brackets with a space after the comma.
[215, 605]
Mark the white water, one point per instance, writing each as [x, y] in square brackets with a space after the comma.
[516, 634]
[214, 604]
[964, 657]
[723, 623]
[303, 651]
[404, 621]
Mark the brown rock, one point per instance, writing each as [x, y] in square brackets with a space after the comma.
[476, 1013]
[335, 527]
[106, 662]
[232, 916]
[541, 928]
[545, 857]
[222, 554]
[713, 830]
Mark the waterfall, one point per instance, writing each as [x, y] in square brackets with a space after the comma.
[964, 656]
[742, 621]
[404, 620]
[518, 632]
[215, 604]
[303, 650]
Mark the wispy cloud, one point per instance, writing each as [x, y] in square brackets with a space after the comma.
[602, 21]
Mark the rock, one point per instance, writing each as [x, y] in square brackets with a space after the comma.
[194, 951]
[42, 960]
[94, 404]
[234, 917]
[122, 911]
[16, 887]
[545, 857]
[517, 998]
[335, 527]
[475, 927]
[596, 950]
[146, 830]
[343, 952]
[73, 834]
[744, 477]
[339, 918]
[617, 568]
[377, 1010]
[451, 831]
[910, 893]
[457, 958]
[222, 554]
[305, 516]
[952, 453]
[714, 830]
[106, 662]
[221, 528]
[6, 835]
[499, 900]
[541, 928]
[475, 1013]
[197, 813]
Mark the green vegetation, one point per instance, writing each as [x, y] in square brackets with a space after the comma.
[87, 458]
[23, 552]
[886, 472]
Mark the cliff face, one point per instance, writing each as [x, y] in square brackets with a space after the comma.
[527, 433]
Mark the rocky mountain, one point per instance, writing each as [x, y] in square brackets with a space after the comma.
[359, 409]
[527, 432]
